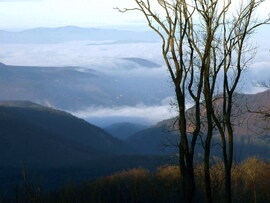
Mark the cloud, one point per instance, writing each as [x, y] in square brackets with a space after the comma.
[259, 72]
[103, 58]
[107, 58]
[152, 113]
[77, 54]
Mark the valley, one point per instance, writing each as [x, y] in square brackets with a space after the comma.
[88, 105]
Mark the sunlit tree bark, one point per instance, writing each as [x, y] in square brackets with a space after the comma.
[203, 43]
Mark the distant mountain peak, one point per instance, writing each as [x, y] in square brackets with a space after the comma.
[72, 33]
[142, 62]
[123, 130]
[16, 103]
[2, 64]
[251, 131]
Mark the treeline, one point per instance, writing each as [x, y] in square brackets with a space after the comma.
[250, 183]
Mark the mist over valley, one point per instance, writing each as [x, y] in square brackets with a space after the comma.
[78, 104]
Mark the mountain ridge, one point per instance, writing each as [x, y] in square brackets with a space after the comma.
[123, 130]
[72, 33]
[249, 138]
[41, 135]
[74, 88]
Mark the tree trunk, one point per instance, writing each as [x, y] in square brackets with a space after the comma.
[228, 192]
[209, 110]
[185, 158]
[207, 178]
[188, 185]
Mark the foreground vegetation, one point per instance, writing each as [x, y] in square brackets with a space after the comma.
[250, 183]
[206, 46]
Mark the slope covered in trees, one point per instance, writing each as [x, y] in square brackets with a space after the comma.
[251, 132]
[250, 183]
[37, 135]
[124, 129]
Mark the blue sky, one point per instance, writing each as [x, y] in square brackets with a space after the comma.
[22, 14]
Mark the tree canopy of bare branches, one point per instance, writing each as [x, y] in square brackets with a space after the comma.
[205, 48]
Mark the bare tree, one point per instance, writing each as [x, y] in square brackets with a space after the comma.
[233, 55]
[203, 43]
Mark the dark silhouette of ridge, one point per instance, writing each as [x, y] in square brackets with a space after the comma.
[142, 62]
[252, 133]
[36, 135]
[124, 129]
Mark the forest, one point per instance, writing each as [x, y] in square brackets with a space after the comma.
[213, 148]
[250, 183]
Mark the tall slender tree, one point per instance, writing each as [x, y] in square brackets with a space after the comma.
[203, 43]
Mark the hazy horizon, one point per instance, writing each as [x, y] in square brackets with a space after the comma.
[25, 14]
[108, 59]
[106, 56]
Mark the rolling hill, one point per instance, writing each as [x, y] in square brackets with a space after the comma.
[252, 133]
[143, 62]
[55, 148]
[76, 88]
[35, 135]
[72, 33]
[124, 129]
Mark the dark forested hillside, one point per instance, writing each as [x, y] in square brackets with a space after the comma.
[251, 131]
[250, 184]
[78, 88]
[54, 147]
[124, 129]
[33, 134]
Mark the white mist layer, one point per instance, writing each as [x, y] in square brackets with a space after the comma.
[153, 114]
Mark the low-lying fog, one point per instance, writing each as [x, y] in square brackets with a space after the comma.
[137, 64]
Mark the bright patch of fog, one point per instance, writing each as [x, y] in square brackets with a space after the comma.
[152, 114]
[139, 113]
[107, 57]
[80, 53]
[258, 72]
